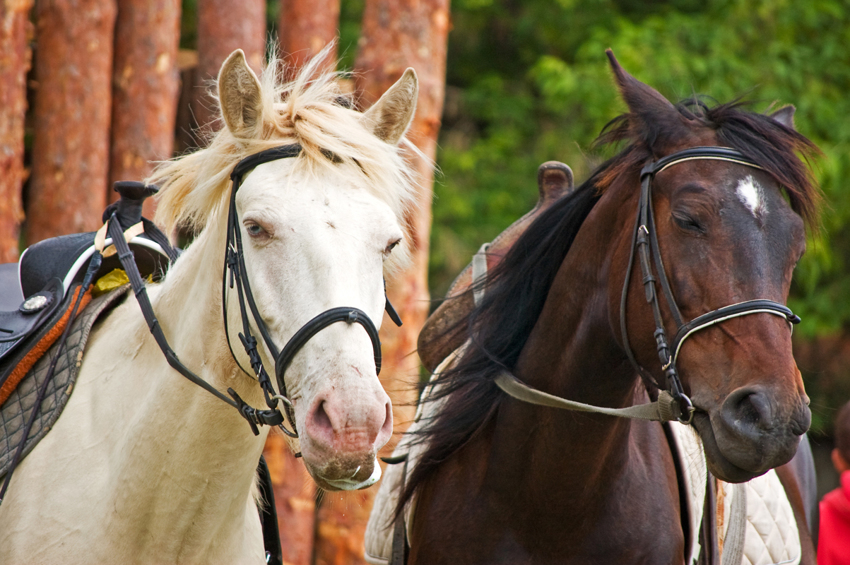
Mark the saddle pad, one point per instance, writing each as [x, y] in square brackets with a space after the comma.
[16, 411]
[771, 535]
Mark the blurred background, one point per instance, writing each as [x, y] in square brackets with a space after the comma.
[94, 91]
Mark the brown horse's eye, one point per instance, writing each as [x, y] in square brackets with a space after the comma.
[688, 223]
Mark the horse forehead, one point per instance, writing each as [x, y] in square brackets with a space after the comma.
[308, 198]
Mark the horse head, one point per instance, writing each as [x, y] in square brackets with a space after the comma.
[728, 232]
[317, 230]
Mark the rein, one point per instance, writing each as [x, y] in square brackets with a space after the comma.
[234, 263]
[672, 403]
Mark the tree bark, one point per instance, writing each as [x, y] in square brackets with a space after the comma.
[144, 89]
[305, 27]
[15, 31]
[223, 27]
[396, 34]
[73, 68]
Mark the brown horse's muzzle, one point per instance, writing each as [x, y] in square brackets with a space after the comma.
[752, 431]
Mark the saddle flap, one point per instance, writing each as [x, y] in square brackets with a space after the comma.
[15, 325]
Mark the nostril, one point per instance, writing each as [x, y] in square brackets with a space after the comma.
[749, 408]
[321, 419]
[387, 426]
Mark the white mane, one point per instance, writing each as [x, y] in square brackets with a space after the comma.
[310, 111]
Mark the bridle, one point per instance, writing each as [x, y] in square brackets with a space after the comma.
[645, 242]
[234, 264]
[672, 403]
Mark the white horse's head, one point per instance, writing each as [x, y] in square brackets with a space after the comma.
[318, 231]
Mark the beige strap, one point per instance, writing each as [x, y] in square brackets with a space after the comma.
[129, 234]
[733, 541]
[479, 273]
[100, 237]
[663, 410]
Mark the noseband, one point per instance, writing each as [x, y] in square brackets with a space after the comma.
[672, 403]
[235, 265]
[645, 242]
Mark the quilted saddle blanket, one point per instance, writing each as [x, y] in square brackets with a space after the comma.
[16, 410]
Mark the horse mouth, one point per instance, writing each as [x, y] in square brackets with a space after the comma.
[360, 478]
[718, 464]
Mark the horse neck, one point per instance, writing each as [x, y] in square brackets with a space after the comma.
[182, 431]
[573, 352]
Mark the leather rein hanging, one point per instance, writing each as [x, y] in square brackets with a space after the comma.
[235, 265]
[672, 403]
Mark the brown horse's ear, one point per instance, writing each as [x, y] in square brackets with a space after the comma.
[240, 97]
[785, 116]
[658, 119]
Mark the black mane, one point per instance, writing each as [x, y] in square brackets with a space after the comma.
[523, 278]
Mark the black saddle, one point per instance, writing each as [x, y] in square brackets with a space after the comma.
[33, 290]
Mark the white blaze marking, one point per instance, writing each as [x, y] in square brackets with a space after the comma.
[750, 194]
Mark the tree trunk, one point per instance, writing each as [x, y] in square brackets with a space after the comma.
[70, 165]
[223, 27]
[305, 27]
[15, 54]
[396, 34]
[144, 89]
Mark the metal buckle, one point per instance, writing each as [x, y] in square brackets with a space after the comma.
[291, 433]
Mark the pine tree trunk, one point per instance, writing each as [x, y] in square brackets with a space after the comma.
[144, 89]
[223, 27]
[396, 34]
[14, 64]
[305, 27]
[73, 72]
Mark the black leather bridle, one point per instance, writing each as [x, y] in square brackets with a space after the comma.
[645, 242]
[235, 265]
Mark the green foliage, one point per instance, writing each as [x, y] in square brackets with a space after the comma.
[528, 82]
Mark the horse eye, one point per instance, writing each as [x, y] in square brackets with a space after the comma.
[254, 230]
[391, 246]
[688, 223]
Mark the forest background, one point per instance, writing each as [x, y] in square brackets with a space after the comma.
[526, 81]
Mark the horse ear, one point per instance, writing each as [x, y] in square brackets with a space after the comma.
[239, 97]
[658, 118]
[390, 116]
[785, 116]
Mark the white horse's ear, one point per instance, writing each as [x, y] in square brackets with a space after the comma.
[390, 116]
[785, 116]
[239, 97]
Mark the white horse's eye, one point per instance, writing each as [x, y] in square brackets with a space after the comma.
[390, 247]
[254, 230]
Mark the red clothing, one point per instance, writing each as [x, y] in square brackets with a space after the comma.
[834, 536]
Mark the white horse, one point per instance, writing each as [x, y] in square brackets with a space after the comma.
[144, 466]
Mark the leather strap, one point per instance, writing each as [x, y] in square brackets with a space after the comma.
[254, 416]
[665, 409]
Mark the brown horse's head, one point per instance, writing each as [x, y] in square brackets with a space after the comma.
[728, 233]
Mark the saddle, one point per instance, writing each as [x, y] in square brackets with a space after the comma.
[554, 180]
[36, 291]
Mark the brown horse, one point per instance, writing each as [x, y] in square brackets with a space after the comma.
[568, 312]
